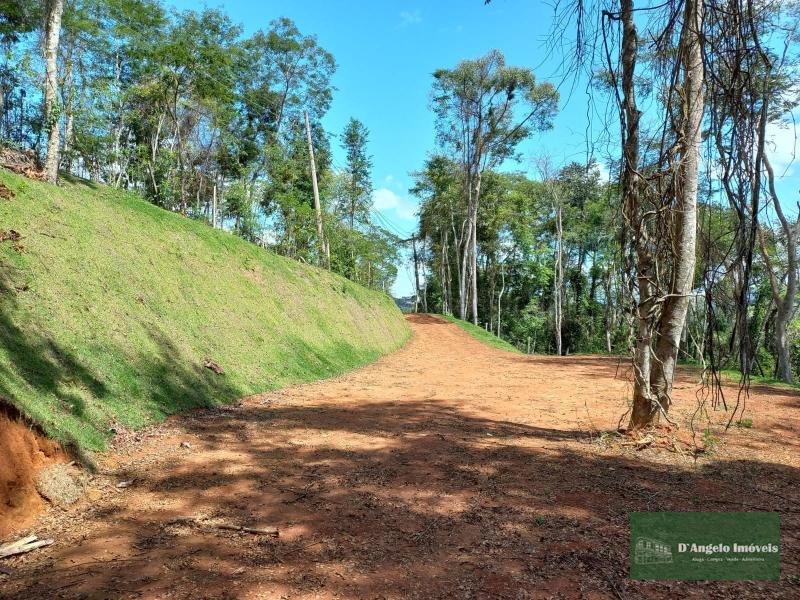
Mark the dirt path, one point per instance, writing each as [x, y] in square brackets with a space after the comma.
[446, 470]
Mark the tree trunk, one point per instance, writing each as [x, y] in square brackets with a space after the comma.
[782, 348]
[214, 205]
[55, 9]
[417, 298]
[784, 302]
[69, 107]
[630, 115]
[465, 254]
[474, 248]
[317, 207]
[607, 314]
[500, 298]
[445, 274]
[674, 310]
[558, 274]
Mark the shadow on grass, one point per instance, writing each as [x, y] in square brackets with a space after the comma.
[34, 359]
[75, 400]
[48, 383]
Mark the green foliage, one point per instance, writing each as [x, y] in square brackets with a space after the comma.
[356, 197]
[500, 105]
[516, 240]
[112, 305]
[18, 17]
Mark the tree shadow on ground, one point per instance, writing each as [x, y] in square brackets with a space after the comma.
[407, 499]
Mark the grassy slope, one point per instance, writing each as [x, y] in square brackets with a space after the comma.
[481, 334]
[110, 308]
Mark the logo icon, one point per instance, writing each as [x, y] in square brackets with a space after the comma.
[650, 551]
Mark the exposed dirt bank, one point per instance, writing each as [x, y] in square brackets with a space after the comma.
[22, 452]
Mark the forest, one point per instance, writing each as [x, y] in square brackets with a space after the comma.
[197, 118]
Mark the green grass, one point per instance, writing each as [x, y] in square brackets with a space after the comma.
[111, 305]
[734, 376]
[481, 334]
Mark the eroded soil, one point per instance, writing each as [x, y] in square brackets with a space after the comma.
[445, 470]
[23, 451]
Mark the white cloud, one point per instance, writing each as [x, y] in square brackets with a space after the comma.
[410, 17]
[602, 168]
[385, 200]
[782, 148]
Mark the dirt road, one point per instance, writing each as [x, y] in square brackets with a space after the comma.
[445, 470]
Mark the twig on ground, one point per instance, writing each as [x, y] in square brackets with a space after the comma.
[273, 531]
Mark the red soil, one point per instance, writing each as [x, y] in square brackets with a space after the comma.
[445, 470]
[22, 452]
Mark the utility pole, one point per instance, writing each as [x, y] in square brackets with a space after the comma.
[214, 205]
[416, 272]
[324, 248]
[413, 241]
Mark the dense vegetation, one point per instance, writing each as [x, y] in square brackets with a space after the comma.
[112, 310]
[517, 235]
[197, 118]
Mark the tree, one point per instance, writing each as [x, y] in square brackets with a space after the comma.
[53, 11]
[355, 202]
[358, 169]
[484, 109]
[286, 74]
[324, 250]
[555, 192]
[662, 302]
[783, 299]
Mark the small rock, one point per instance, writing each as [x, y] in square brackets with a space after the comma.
[56, 484]
[213, 365]
[124, 484]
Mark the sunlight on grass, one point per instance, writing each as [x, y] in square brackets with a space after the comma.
[110, 306]
[481, 334]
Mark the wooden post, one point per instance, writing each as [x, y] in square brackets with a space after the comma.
[324, 249]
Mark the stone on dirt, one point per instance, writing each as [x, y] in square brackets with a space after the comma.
[57, 484]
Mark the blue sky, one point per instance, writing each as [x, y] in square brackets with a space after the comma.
[386, 51]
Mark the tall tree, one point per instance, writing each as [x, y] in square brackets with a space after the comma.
[784, 298]
[358, 169]
[315, 189]
[684, 225]
[484, 109]
[53, 12]
[356, 200]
